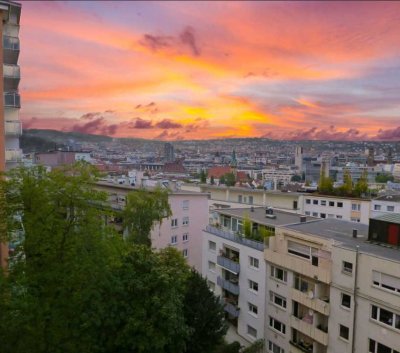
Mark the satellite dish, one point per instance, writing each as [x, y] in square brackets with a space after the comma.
[311, 294]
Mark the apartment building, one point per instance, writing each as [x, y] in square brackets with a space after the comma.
[183, 230]
[386, 204]
[10, 125]
[233, 263]
[323, 206]
[334, 286]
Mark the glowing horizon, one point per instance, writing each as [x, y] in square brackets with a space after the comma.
[190, 70]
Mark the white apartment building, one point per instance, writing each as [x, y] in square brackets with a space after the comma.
[334, 287]
[183, 230]
[234, 264]
[386, 204]
[348, 209]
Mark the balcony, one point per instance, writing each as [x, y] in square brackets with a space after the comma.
[228, 285]
[13, 128]
[307, 299]
[297, 265]
[232, 237]
[298, 347]
[13, 155]
[228, 264]
[231, 309]
[10, 49]
[11, 74]
[309, 330]
[12, 100]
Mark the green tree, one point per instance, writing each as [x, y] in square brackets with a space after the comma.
[204, 316]
[296, 178]
[222, 180]
[384, 178]
[247, 227]
[143, 210]
[361, 186]
[203, 176]
[212, 181]
[230, 179]
[347, 188]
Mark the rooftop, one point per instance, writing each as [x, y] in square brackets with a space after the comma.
[389, 217]
[258, 215]
[342, 234]
[391, 198]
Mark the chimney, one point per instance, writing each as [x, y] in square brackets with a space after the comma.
[354, 233]
[303, 219]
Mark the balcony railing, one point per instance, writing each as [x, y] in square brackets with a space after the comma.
[13, 128]
[12, 99]
[306, 348]
[235, 238]
[232, 309]
[228, 264]
[11, 71]
[11, 43]
[309, 330]
[13, 155]
[228, 285]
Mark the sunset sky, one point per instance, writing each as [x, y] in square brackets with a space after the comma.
[197, 70]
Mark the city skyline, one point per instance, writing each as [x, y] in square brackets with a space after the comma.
[173, 70]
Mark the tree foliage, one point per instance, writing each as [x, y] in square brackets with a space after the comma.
[142, 210]
[75, 285]
[230, 179]
[204, 315]
[203, 176]
[384, 178]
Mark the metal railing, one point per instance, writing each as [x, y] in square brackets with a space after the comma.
[231, 309]
[228, 264]
[235, 238]
[229, 286]
[11, 71]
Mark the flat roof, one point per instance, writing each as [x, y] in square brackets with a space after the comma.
[389, 217]
[258, 215]
[342, 233]
[241, 188]
[390, 198]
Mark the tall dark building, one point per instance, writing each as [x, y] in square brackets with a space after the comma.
[169, 155]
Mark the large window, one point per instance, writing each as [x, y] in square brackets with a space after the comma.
[390, 208]
[185, 221]
[185, 204]
[253, 285]
[304, 251]
[174, 222]
[346, 300]
[253, 309]
[174, 239]
[377, 207]
[385, 317]
[344, 332]
[253, 262]
[279, 273]
[387, 282]
[355, 207]
[212, 246]
[274, 348]
[347, 267]
[376, 347]
[277, 300]
[277, 325]
[251, 331]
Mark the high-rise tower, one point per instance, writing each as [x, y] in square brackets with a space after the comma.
[10, 125]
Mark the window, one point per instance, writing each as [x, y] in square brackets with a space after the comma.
[340, 204]
[323, 202]
[315, 202]
[355, 219]
[212, 246]
[253, 309]
[387, 282]
[174, 239]
[390, 208]
[301, 250]
[251, 331]
[377, 207]
[211, 266]
[355, 207]
[277, 300]
[253, 285]
[315, 214]
[253, 262]
[279, 274]
[250, 200]
[185, 221]
[323, 215]
[185, 204]
[308, 213]
[331, 203]
[385, 317]
[376, 347]
[308, 201]
[344, 332]
[240, 198]
[274, 348]
[185, 237]
[346, 300]
[185, 253]
[174, 222]
[277, 325]
[347, 267]
[339, 216]
[211, 285]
